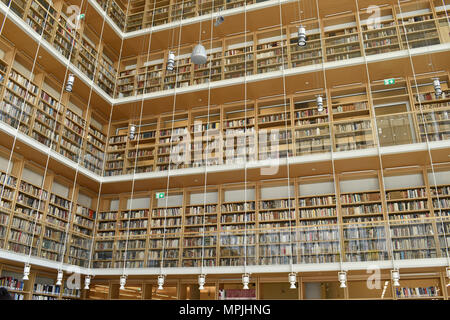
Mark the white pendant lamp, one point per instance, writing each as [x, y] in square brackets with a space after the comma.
[395, 274]
[245, 280]
[219, 21]
[201, 281]
[87, 282]
[59, 277]
[342, 276]
[26, 271]
[123, 281]
[170, 61]
[301, 36]
[132, 131]
[437, 88]
[292, 280]
[160, 282]
[70, 81]
[319, 103]
[198, 55]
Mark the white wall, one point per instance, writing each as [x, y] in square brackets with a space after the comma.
[368, 184]
[238, 195]
[199, 198]
[172, 200]
[312, 189]
[84, 200]
[277, 192]
[404, 181]
[60, 190]
[138, 203]
[32, 177]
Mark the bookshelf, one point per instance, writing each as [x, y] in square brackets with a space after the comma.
[239, 130]
[107, 72]
[271, 51]
[72, 134]
[200, 228]
[212, 69]
[41, 16]
[350, 103]
[157, 13]
[166, 230]
[412, 229]
[125, 83]
[431, 111]
[426, 288]
[116, 148]
[274, 121]
[341, 37]
[141, 151]
[353, 135]
[312, 128]
[276, 218]
[44, 288]
[181, 76]
[94, 153]
[12, 281]
[150, 73]
[104, 246]
[239, 55]
[309, 54]
[135, 15]
[238, 218]
[379, 36]
[417, 25]
[205, 129]
[173, 142]
[180, 9]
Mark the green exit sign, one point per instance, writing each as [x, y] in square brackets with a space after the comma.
[389, 81]
[160, 195]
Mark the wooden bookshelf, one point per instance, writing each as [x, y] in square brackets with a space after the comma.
[309, 54]
[341, 37]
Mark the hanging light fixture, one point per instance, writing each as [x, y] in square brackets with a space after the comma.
[59, 277]
[293, 280]
[437, 88]
[201, 281]
[26, 271]
[70, 81]
[132, 131]
[87, 282]
[301, 36]
[395, 275]
[198, 55]
[319, 103]
[342, 276]
[170, 61]
[219, 21]
[160, 282]
[245, 280]
[123, 281]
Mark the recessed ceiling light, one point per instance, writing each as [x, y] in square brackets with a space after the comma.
[204, 31]
[39, 57]
[200, 100]
[313, 169]
[307, 82]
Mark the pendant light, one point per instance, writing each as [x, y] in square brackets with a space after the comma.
[319, 103]
[70, 81]
[245, 280]
[342, 276]
[123, 282]
[437, 88]
[59, 277]
[160, 282]
[132, 131]
[301, 36]
[170, 61]
[87, 282]
[201, 281]
[198, 55]
[293, 280]
[219, 21]
[395, 275]
[26, 271]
